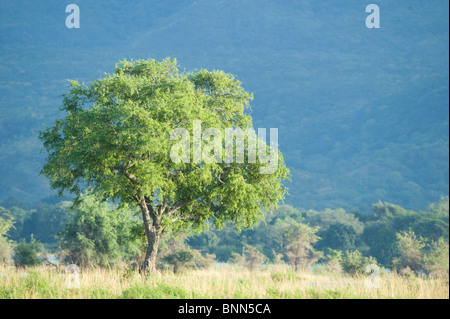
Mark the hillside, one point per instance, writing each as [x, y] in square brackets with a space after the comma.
[362, 114]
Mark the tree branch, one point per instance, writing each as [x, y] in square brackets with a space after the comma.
[130, 176]
[177, 206]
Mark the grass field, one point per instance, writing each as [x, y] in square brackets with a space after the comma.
[217, 282]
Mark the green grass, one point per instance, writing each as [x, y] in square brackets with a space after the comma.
[160, 291]
[224, 282]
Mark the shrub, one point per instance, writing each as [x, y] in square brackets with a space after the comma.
[180, 259]
[410, 247]
[436, 261]
[204, 262]
[97, 235]
[253, 257]
[333, 262]
[298, 244]
[5, 244]
[5, 251]
[236, 259]
[25, 254]
[353, 262]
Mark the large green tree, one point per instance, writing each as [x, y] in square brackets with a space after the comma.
[117, 137]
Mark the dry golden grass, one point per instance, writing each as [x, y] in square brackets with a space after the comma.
[218, 282]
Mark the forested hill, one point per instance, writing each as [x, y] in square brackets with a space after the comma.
[362, 113]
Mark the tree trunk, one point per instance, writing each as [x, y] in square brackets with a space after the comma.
[149, 264]
[153, 233]
[175, 267]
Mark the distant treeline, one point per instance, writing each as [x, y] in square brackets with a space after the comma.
[96, 233]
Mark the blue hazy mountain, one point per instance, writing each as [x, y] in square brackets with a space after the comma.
[362, 114]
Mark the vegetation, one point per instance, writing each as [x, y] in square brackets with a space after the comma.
[116, 141]
[25, 253]
[299, 239]
[282, 257]
[364, 130]
[5, 244]
[224, 282]
[98, 235]
[353, 262]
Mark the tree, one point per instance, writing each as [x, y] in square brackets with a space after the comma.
[328, 217]
[338, 237]
[207, 240]
[116, 142]
[436, 261]
[177, 253]
[334, 260]
[236, 259]
[46, 222]
[180, 258]
[25, 254]
[381, 238]
[353, 262]
[298, 240]
[253, 257]
[384, 210]
[5, 245]
[18, 216]
[431, 228]
[410, 247]
[4, 213]
[93, 237]
[270, 235]
[440, 209]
